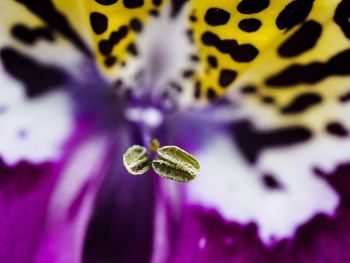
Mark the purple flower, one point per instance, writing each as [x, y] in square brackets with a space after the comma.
[258, 92]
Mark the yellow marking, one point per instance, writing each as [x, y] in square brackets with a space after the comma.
[118, 16]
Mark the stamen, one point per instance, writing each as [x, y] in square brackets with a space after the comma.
[171, 162]
[176, 164]
[136, 160]
[154, 145]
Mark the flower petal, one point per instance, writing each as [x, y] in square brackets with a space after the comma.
[247, 193]
[40, 54]
[37, 27]
[32, 129]
[72, 202]
[207, 237]
[253, 209]
[46, 207]
[121, 229]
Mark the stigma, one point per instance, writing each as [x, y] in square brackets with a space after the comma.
[149, 116]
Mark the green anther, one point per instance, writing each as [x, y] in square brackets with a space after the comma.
[154, 145]
[175, 164]
[136, 160]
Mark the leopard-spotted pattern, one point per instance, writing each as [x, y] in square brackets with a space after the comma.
[286, 62]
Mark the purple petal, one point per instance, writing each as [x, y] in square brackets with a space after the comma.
[121, 228]
[204, 236]
[122, 225]
[276, 208]
[45, 208]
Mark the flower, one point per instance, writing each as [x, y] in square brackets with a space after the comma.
[256, 91]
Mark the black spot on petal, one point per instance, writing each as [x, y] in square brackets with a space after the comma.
[193, 18]
[248, 90]
[194, 58]
[54, 19]
[252, 141]
[106, 2]
[267, 100]
[212, 61]
[29, 36]
[338, 65]
[342, 16]
[154, 12]
[337, 129]
[344, 98]
[294, 13]
[216, 16]
[250, 25]
[271, 182]
[252, 6]
[188, 73]
[226, 77]
[239, 53]
[110, 61]
[99, 22]
[176, 6]
[117, 36]
[105, 47]
[133, 3]
[157, 2]
[211, 95]
[302, 103]
[136, 25]
[37, 78]
[132, 49]
[197, 90]
[304, 39]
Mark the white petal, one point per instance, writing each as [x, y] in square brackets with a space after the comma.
[234, 187]
[32, 129]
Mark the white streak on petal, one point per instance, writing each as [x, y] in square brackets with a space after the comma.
[32, 129]
[202, 243]
[161, 226]
[233, 187]
[88, 165]
[168, 202]
[163, 58]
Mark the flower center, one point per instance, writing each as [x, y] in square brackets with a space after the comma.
[148, 116]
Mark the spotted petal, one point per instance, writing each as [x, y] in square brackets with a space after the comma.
[46, 195]
[40, 52]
